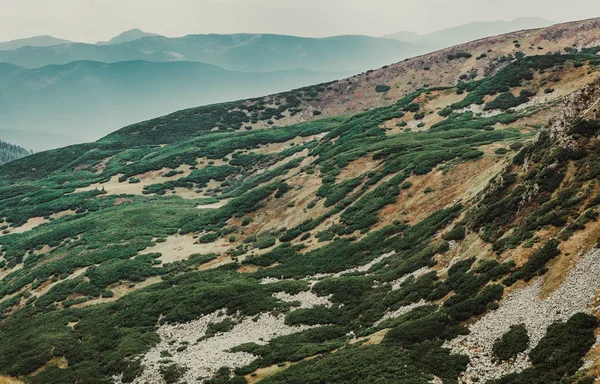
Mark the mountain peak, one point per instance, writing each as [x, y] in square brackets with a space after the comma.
[130, 35]
[35, 41]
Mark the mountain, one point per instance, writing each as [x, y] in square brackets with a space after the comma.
[406, 36]
[37, 41]
[127, 36]
[10, 152]
[469, 32]
[241, 52]
[83, 101]
[356, 231]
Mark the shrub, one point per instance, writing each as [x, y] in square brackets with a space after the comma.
[407, 184]
[456, 233]
[445, 112]
[209, 238]
[459, 55]
[535, 263]
[501, 151]
[516, 146]
[381, 88]
[282, 190]
[513, 342]
[585, 127]
[507, 100]
[412, 107]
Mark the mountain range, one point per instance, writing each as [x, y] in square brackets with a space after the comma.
[240, 52]
[55, 92]
[85, 100]
[433, 221]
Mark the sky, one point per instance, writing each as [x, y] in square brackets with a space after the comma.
[98, 20]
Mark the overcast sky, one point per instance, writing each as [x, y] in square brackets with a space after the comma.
[94, 20]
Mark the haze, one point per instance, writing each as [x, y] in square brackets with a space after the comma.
[96, 20]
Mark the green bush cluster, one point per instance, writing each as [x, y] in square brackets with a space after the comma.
[513, 342]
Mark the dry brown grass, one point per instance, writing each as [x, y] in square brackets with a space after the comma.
[10, 380]
[461, 183]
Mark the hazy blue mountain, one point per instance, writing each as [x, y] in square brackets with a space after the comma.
[127, 36]
[406, 36]
[469, 32]
[86, 100]
[37, 41]
[241, 52]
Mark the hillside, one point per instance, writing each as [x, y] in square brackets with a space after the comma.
[10, 152]
[83, 101]
[366, 230]
[239, 52]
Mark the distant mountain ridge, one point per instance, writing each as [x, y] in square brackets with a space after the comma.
[85, 100]
[37, 41]
[469, 32]
[238, 52]
[127, 36]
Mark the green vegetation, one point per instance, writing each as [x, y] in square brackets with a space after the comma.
[94, 245]
[559, 354]
[459, 55]
[513, 342]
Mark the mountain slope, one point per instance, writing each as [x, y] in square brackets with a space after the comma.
[87, 100]
[37, 41]
[476, 60]
[241, 52]
[444, 235]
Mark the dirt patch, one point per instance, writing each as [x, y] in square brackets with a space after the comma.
[181, 247]
[358, 167]
[290, 210]
[114, 187]
[216, 205]
[247, 269]
[119, 290]
[61, 214]
[263, 373]
[373, 339]
[9, 380]
[30, 224]
[216, 263]
[458, 184]
[58, 362]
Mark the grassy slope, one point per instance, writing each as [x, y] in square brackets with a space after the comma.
[90, 244]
